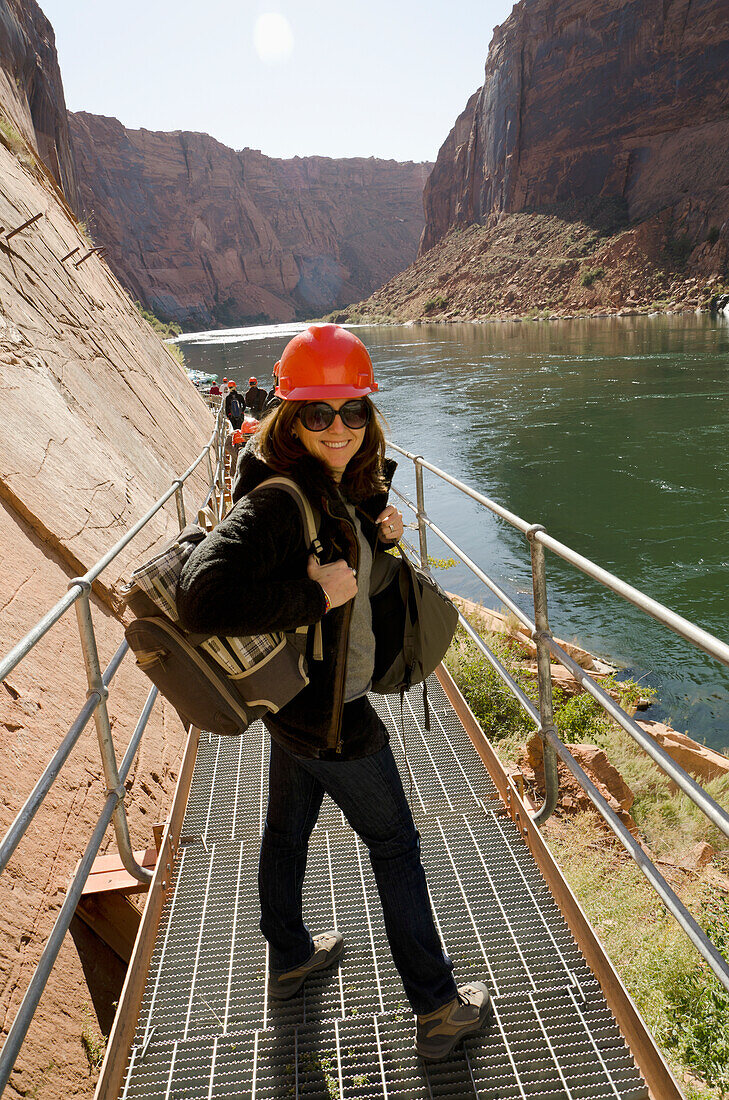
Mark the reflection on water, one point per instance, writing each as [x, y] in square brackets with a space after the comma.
[611, 432]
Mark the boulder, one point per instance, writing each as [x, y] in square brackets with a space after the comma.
[699, 760]
[572, 797]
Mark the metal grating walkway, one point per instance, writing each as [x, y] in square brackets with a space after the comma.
[207, 1030]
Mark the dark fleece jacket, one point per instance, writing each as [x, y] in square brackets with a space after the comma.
[249, 577]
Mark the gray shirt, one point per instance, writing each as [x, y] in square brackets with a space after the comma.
[361, 651]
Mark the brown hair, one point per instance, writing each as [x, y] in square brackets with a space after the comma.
[280, 449]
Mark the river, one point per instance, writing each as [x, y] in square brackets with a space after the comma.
[612, 432]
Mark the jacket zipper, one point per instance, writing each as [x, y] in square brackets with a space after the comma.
[334, 740]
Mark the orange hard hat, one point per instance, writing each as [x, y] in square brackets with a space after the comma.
[252, 381]
[324, 361]
[232, 385]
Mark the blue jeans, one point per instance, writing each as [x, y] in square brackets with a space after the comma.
[369, 793]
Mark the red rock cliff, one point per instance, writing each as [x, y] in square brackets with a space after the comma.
[625, 100]
[207, 236]
[92, 403]
[31, 90]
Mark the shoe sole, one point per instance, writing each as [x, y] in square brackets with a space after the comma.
[437, 1054]
[278, 994]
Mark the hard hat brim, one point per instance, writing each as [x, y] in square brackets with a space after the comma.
[321, 393]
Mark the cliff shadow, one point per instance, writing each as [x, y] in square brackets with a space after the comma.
[104, 972]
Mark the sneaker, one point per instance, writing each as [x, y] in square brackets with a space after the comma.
[283, 984]
[440, 1031]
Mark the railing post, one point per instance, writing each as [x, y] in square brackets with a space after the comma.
[544, 674]
[420, 500]
[103, 729]
[180, 502]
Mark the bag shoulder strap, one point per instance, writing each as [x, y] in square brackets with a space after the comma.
[308, 515]
[311, 531]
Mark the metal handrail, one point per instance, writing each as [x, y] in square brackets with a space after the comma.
[688, 785]
[34, 992]
[547, 648]
[715, 647]
[33, 802]
[78, 595]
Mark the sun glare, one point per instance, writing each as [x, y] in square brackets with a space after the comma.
[273, 38]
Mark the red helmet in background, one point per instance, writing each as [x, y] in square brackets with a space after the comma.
[252, 381]
[232, 385]
[324, 361]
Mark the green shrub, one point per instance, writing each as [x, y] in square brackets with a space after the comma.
[435, 305]
[14, 141]
[698, 1017]
[165, 329]
[177, 353]
[591, 275]
[499, 714]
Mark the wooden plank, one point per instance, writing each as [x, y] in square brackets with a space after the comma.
[114, 918]
[109, 874]
[125, 1021]
[648, 1058]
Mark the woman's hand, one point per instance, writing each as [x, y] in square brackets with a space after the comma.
[337, 580]
[391, 524]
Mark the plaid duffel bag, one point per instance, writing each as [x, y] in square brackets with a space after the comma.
[219, 684]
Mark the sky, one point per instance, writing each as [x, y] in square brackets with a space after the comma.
[383, 78]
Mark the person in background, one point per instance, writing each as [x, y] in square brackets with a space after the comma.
[214, 390]
[255, 398]
[272, 401]
[234, 407]
[326, 436]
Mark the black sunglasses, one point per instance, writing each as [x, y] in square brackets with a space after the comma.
[318, 415]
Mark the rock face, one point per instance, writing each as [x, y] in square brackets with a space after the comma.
[31, 90]
[621, 100]
[93, 409]
[207, 236]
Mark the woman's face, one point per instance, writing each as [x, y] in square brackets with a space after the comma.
[336, 445]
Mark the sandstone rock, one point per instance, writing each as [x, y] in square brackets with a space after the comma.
[31, 90]
[699, 760]
[700, 856]
[572, 797]
[97, 420]
[210, 237]
[608, 100]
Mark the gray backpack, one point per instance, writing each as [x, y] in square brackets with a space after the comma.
[219, 684]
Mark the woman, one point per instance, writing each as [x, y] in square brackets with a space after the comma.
[255, 574]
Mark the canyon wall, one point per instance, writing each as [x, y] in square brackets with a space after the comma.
[98, 418]
[624, 101]
[31, 89]
[210, 237]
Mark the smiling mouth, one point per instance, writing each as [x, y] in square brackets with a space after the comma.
[337, 446]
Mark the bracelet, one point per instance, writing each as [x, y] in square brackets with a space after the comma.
[327, 601]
